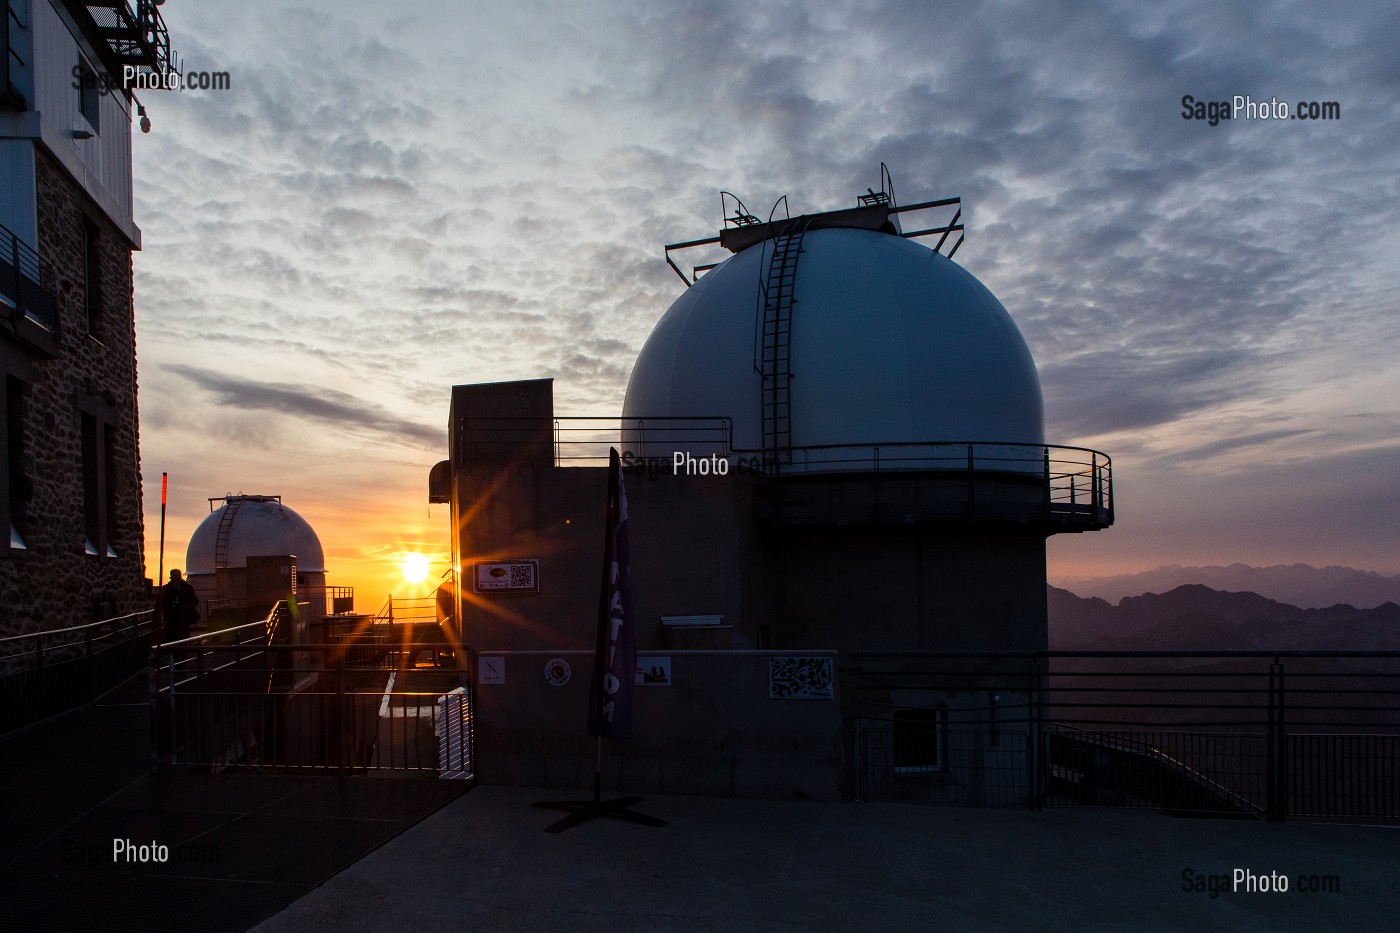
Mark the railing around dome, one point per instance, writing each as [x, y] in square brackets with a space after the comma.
[970, 480]
[1074, 477]
[583, 440]
[1067, 483]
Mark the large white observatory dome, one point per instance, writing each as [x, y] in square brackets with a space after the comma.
[890, 342]
[253, 526]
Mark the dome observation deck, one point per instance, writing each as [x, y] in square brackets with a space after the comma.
[253, 526]
[834, 345]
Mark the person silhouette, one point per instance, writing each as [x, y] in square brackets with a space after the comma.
[179, 607]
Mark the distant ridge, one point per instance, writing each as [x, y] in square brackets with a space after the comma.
[1300, 585]
[1195, 617]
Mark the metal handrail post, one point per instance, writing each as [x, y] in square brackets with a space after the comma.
[971, 489]
[340, 711]
[152, 695]
[1048, 493]
[92, 675]
[1095, 488]
[1275, 802]
[1036, 767]
[1282, 748]
[170, 699]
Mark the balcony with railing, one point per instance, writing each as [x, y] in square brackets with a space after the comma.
[1061, 487]
[136, 39]
[28, 294]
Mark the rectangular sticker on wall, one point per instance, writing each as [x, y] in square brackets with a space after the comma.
[499, 577]
[653, 672]
[491, 669]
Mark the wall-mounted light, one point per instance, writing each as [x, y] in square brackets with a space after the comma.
[145, 120]
[82, 134]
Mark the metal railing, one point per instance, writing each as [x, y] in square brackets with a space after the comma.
[951, 479]
[28, 283]
[407, 610]
[962, 479]
[138, 38]
[46, 673]
[1076, 482]
[1276, 735]
[321, 601]
[255, 705]
[402, 634]
[232, 662]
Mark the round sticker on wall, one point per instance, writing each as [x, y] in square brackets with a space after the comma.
[557, 672]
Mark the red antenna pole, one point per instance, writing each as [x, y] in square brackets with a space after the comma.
[160, 573]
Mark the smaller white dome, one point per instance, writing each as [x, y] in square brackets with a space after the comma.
[257, 526]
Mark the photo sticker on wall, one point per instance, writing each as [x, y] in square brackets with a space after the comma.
[506, 576]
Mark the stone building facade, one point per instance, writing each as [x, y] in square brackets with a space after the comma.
[72, 438]
[70, 469]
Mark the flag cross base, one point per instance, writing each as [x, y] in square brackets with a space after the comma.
[583, 810]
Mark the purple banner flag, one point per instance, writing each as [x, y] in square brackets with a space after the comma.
[615, 659]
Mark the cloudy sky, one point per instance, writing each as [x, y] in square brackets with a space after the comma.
[395, 198]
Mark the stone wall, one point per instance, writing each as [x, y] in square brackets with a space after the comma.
[54, 583]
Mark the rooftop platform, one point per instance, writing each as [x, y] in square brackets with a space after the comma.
[241, 846]
[346, 855]
[484, 863]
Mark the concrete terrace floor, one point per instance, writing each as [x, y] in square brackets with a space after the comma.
[483, 862]
[239, 846]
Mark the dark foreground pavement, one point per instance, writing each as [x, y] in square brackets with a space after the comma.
[243, 847]
[484, 863]
[238, 847]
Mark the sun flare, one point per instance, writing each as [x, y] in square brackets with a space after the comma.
[415, 567]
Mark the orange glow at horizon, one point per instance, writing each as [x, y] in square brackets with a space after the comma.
[364, 542]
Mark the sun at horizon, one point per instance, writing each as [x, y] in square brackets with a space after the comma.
[414, 567]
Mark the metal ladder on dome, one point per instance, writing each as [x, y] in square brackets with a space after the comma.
[221, 539]
[777, 293]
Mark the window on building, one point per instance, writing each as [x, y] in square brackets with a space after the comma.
[919, 740]
[10, 97]
[92, 278]
[88, 98]
[110, 482]
[5, 87]
[100, 474]
[92, 497]
[19, 488]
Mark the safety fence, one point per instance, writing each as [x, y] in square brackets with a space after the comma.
[256, 701]
[1287, 735]
[43, 674]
